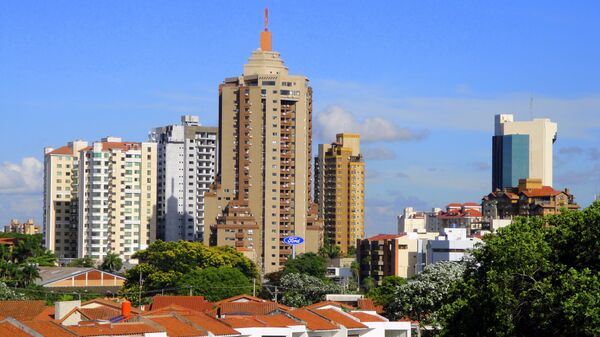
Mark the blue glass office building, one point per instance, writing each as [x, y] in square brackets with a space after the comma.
[510, 160]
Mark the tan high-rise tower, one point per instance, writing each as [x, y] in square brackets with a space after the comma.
[262, 191]
[340, 190]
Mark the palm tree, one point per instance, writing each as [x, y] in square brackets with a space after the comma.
[112, 262]
[330, 251]
[27, 274]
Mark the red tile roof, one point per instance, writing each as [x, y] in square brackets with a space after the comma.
[62, 150]
[243, 322]
[340, 318]
[21, 310]
[7, 329]
[369, 304]
[365, 317]
[176, 327]
[278, 320]
[197, 303]
[119, 329]
[211, 324]
[49, 329]
[248, 308]
[329, 303]
[313, 321]
[545, 191]
[380, 237]
[100, 313]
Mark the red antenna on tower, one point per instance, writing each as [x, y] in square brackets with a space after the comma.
[266, 19]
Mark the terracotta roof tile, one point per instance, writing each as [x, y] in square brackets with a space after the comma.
[49, 329]
[119, 329]
[379, 237]
[340, 318]
[278, 320]
[313, 321]
[7, 329]
[369, 304]
[365, 317]
[197, 303]
[243, 322]
[248, 308]
[211, 324]
[330, 303]
[21, 310]
[62, 150]
[100, 313]
[177, 328]
[545, 191]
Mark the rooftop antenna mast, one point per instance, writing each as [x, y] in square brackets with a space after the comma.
[266, 19]
[531, 106]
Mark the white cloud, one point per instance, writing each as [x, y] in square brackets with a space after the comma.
[334, 120]
[378, 153]
[24, 177]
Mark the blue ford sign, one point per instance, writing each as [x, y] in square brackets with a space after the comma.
[293, 240]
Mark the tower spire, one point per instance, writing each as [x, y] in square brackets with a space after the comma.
[265, 36]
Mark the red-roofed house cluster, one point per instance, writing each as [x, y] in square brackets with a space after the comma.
[191, 316]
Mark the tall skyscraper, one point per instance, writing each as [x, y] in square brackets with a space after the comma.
[60, 225]
[262, 192]
[340, 190]
[117, 198]
[522, 150]
[186, 168]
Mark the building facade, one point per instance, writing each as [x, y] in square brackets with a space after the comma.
[455, 215]
[187, 157]
[512, 141]
[61, 209]
[262, 192]
[340, 190]
[117, 198]
[28, 227]
[452, 244]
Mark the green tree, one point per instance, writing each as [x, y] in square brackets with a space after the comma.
[163, 264]
[112, 263]
[307, 263]
[215, 284]
[27, 274]
[384, 294]
[85, 262]
[368, 283]
[536, 277]
[8, 294]
[302, 289]
[421, 297]
[330, 251]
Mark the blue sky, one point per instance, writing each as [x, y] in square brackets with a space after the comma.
[422, 80]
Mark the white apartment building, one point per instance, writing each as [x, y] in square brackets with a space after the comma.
[452, 244]
[117, 198]
[542, 135]
[61, 171]
[186, 167]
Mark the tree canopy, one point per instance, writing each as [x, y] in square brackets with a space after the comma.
[536, 277]
[86, 262]
[163, 264]
[308, 264]
[385, 293]
[112, 263]
[303, 289]
[214, 283]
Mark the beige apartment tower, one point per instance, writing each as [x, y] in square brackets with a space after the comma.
[61, 171]
[262, 191]
[117, 198]
[340, 190]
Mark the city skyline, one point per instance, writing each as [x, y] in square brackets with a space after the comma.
[426, 124]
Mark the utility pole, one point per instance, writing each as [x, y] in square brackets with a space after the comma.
[140, 292]
[254, 287]
[276, 293]
[190, 290]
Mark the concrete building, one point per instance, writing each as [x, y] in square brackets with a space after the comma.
[340, 190]
[187, 157]
[28, 227]
[530, 198]
[452, 244]
[522, 150]
[262, 193]
[61, 184]
[117, 198]
[392, 255]
[467, 215]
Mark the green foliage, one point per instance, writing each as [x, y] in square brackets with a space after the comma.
[421, 297]
[330, 251]
[303, 289]
[8, 294]
[215, 284]
[385, 293]
[537, 277]
[85, 262]
[29, 249]
[112, 263]
[368, 283]
[164, 264]
[307, 263]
